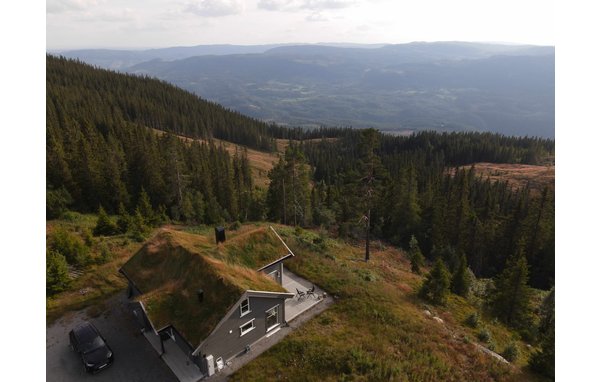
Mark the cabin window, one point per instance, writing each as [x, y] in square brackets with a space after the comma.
[247, 327]
[274, 275]
[272, 318]
[245, 307]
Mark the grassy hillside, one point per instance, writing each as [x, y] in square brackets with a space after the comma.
[517, 175]
[261, 162]
[378, 329]
[100, 279]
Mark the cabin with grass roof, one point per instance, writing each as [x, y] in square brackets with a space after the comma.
[212, 301]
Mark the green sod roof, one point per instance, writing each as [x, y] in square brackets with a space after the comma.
[171, 267]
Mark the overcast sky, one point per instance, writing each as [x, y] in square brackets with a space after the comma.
[156, 23]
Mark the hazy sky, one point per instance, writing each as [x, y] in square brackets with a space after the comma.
[157, 23]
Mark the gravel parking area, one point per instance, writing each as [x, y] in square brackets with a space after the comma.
[135, 359]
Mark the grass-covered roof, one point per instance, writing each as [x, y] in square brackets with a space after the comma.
[173, 265]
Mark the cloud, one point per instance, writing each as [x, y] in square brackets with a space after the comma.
[60, 6]
[110, 16]
[313, 5]
[317, 5]
[215, 8]
[316, 17]
[275, 5]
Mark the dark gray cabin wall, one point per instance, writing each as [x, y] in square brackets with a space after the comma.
[173, 335]
[224, 344]
[275, 267]
[141, 319]
[132, 290]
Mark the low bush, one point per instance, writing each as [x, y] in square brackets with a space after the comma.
[511, 352]
[484, 335]
[105, 226]
[57, 272]
[473, 320]
[70, 246]
[105, 254]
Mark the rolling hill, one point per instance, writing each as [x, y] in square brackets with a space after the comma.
[445, 86]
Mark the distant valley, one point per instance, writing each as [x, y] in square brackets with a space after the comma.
[396, 88]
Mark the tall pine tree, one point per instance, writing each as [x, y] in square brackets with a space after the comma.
[436, 286]
[511, 298]
[415, 255]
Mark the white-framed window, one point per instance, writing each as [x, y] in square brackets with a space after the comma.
[247, 327]
[245, 307]
[272, 318]
[274, 275]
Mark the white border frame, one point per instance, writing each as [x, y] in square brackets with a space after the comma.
[242, 314]
[244, 332]
[278, 322]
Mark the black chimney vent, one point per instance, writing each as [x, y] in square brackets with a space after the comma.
[220, 234]
[200, 293]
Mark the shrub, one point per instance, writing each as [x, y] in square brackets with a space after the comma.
[324, 217]
[70, 216]
[87, 237]
[543, 360]
[511, 352]
[138, 229]
[57, 202]
[360, 361]
[123, 220]
[461, 282]
[57, 272]
[484, 335]
[105, 254]
[436, 286]
[70, 246]
[105, 226]
[235, 225]
[473, 320]
[415, 255]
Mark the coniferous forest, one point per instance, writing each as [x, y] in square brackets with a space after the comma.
[100, 152]
[105, 150]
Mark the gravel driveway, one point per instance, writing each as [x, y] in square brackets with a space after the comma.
[135, 359]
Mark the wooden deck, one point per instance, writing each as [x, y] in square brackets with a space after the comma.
[295, 306]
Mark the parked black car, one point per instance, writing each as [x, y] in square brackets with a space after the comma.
[87, 341]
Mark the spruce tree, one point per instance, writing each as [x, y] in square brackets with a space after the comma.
[57, 202]
[123, 220]
[144, 207]
[461, 282]
[57, 272]
[104, 225]
[371, 174]
[436, 286]
[187, 208]
[198, 206]
[289, 194]
[543, 360]
[511, 298]
[547, 315]
[415, 255]
[138, 228]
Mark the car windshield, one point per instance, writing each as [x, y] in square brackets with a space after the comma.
[93, 344]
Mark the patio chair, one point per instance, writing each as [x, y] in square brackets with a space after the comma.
[300, 294]
[311, 291]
